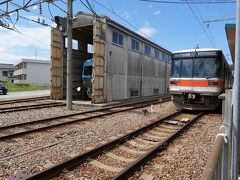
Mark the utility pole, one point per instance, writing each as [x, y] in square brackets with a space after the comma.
[69, 56]
[236, 100]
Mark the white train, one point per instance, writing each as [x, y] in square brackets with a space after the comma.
[198, 77]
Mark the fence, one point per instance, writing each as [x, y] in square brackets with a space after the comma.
[219, 163]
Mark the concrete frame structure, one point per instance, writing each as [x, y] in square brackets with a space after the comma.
[6, 72]
[32, 71]
[119, 71]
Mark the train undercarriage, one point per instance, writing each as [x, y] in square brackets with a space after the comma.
[195, 101]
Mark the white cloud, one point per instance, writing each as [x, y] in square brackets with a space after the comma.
[13, 45]
[126, 15]
[35, 7]
[157, 12]
[147, 30]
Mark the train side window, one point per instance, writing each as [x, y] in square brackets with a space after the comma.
[187, 65]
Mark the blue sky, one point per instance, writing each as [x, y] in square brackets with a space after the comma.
[172, 26]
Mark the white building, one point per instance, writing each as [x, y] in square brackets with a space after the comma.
[32, 71]
[6, 72]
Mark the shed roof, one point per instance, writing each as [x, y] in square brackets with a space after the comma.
[6, 66]
[86, 19]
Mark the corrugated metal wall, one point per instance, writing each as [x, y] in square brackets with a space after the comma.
[131, 70]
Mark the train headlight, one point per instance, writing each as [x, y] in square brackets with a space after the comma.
[78, 89]
[173, 82]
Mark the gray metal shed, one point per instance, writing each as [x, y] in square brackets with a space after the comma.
[125, 64]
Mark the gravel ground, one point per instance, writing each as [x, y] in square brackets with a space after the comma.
[67, 140]
[36, 114]
[186, 157]
[88, 169]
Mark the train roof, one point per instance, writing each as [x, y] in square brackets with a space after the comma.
[196, 50]
[88, 62]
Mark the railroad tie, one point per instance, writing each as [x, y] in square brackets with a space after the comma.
[145, 176]
[131, 150]
[120, 158]
[105, 167]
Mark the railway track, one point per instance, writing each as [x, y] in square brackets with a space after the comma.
[145, 143]
[24, 100]
[28, 107]
[16, 130]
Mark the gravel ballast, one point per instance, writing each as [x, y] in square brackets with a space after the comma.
[67, 140]
[186, 157]
[37, 114]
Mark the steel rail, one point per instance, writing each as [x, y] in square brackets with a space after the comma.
[70, 115]
[23, 100]
[4, 137]
[28, 107]
[135, 166]
[75, 161]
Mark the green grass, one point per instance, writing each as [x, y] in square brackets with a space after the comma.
[15, 87]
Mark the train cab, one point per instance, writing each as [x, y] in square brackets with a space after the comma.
[198, 78]
[87, 77]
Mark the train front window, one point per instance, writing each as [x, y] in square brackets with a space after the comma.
[88, 70]
[206, 68]
[176, 68]
[187, 65]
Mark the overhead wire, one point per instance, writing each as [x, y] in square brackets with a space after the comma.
[200, 24]
[90, 6]
[64, 2]
[93, 6]
[135, 27]
[24, 7]
[27, 35]
[110, 5]
[49, 10]
[87, 7]
[200, 15]
[59, 8]
[29, 11]
[217, 20]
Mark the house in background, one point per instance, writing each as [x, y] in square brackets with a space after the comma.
[32, 71]
[6, 72]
